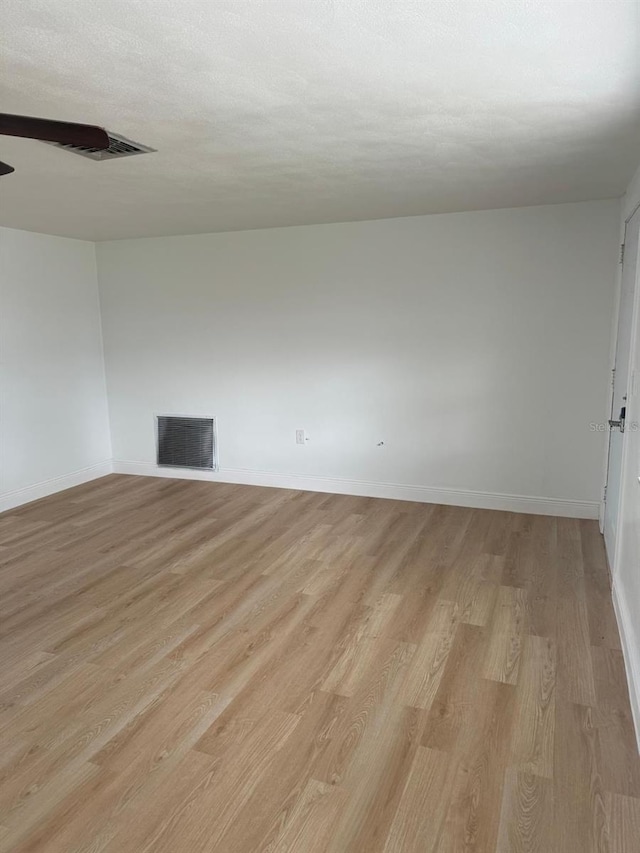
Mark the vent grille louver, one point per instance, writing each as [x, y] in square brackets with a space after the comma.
[184, 442]
[119, 146]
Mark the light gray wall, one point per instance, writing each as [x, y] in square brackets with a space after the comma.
[53, 406]
[475, 345]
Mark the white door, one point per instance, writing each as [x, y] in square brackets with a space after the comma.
[626, 569]
[621, 384]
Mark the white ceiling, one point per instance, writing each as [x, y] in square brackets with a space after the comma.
[280, 112]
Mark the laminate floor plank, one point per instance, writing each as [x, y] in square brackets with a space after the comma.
[526, 817]
[534, 730]
[193, 666]
[507, 630]
[623, 823]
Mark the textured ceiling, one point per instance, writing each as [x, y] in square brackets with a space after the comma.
[279, 112]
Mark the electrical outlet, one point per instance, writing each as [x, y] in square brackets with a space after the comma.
[300, 436]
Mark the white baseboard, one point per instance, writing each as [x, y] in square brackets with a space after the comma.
[631, 653]
[394, 491]
[332, 485]
[17, 497]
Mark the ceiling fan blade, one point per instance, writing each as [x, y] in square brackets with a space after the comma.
[48, 130]
[5, 169]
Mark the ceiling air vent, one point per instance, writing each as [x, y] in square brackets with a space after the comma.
[119, 146]
[183, 442]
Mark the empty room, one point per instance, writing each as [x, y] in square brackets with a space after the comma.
[320, 426]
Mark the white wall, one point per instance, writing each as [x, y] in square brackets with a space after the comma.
[474, 345]
[54, 421]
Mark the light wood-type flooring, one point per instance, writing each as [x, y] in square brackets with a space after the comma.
[190, 666]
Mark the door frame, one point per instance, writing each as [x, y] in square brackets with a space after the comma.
[610, 387]
[625, 552]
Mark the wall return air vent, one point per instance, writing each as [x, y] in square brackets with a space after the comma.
[119, 146]
[185, 442]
